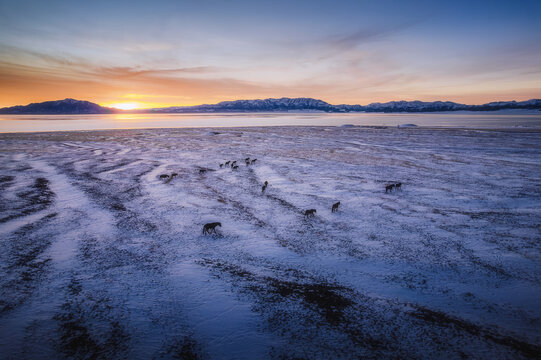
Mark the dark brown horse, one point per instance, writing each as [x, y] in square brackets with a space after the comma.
[211, 227]
[310, 212]
[335, 207]
[389, 188]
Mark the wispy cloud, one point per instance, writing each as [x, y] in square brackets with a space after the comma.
[366, 35]
[124, 72]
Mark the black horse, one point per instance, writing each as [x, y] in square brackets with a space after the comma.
[335, 207]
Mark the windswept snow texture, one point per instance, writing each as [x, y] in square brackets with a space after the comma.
[103, 259]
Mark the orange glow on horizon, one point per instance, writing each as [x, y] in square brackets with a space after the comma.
[139, 105]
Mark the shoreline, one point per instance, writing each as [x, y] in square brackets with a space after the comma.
[355, 127]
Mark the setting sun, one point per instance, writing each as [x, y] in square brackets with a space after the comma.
[125, 106]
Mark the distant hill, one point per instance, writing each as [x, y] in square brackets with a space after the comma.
[267, 105]
[66, 106]
[71, 106]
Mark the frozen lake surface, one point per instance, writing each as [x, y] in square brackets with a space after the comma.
[495, 119]
[101, 258]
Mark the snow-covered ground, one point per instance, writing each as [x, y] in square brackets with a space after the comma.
[103, 259]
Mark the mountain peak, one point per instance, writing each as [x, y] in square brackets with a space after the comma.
[257, 105]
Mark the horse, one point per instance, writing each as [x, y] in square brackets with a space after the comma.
[389, 188]
[221, 166]
[235, 167]
[164, 176]
[398, 186]
[335, 207]
[253, 161]
[263, 188]
[227, 163]
[310, 212]
[266, 183]
[211, 227]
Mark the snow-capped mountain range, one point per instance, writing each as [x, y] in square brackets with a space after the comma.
[72, 106]
[421, 106]
[282, 104]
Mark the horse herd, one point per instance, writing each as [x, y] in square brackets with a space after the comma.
[234, 166]
[210, 228]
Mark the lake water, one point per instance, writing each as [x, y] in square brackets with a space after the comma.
[501, 119]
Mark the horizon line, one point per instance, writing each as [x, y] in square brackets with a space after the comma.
[269, 98]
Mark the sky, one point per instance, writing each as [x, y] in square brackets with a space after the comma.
[163, 53]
